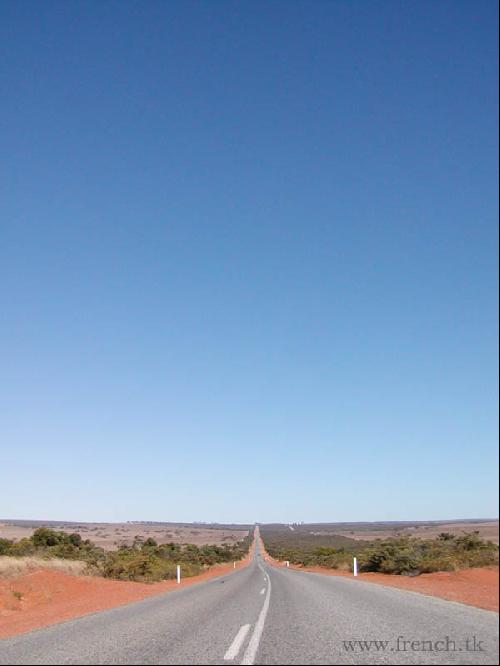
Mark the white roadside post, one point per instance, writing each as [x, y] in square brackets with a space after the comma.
[355, 566]
[178, 574]
[234, 565]
[287, 563]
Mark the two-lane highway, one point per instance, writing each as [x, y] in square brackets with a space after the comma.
[265, 615]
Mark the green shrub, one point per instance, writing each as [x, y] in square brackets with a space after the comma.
[145, 560]
[411, 555]
[130, 565]
[5, 546]
[44, 537]
[22, 548]
[399, 555]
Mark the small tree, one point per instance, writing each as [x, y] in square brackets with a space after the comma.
[43, 537]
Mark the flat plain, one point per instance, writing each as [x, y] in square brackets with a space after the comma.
[367, 531]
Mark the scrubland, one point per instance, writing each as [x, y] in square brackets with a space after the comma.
[144, 560]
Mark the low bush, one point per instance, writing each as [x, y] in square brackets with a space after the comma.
[399, 555]
[408, 555]
[139, 566]
[144, 561]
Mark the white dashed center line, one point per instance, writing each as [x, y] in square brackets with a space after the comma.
[254, 642]
[235, 646]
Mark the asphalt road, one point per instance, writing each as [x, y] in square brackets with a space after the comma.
[265, 615]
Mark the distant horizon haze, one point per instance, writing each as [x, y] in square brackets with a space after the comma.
[252, 522]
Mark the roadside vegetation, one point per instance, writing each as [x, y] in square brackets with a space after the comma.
[399, 555]
[144, 560]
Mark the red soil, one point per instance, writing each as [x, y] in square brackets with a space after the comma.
[45, 597]
[475, 587]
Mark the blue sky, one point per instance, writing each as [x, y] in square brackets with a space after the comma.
[248, 260]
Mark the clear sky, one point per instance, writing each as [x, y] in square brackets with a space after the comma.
[248, 260]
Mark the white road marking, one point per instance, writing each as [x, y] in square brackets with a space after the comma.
[253, 645]
[235, 646]
[263, 590]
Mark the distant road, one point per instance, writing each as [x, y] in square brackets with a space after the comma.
[265, 615]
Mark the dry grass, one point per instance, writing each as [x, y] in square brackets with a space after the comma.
[11, 567]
